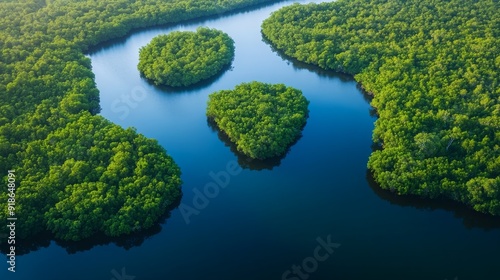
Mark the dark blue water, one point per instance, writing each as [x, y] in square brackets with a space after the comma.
[270, 216]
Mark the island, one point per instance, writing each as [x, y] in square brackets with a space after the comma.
[184, 58]
[432, 67]
[263, 120]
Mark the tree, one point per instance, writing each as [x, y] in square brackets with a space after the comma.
[263, 120]
[186, 58]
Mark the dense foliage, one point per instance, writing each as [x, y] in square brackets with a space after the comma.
[96, 177]
[433, 67]
[183, 58]
[261, 119]
[76, 173]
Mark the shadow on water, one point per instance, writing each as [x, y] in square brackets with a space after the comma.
[194, 88]
[245, 161]
[43, 240]
[299, 65]
[470, 218]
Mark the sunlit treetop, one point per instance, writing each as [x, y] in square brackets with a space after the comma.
[183, 58]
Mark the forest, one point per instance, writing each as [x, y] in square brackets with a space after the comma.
[261, 119]
[78, 174]
[433, 70]
[184, 58]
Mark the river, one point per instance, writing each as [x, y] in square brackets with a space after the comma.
[313, 214]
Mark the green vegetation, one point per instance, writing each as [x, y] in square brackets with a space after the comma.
[96, 177]
[76, 173]
[261, 119]
[433, 68]
[185, 58]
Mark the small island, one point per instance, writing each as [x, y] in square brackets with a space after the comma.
[263, 120]
[184, 58]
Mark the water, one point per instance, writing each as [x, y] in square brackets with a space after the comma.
[274, 215]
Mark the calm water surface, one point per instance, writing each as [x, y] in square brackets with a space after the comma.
[271, 215]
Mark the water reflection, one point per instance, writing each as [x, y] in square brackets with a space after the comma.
[299, 65]
[330, 74]
[245, 161]
[470, 218]
[194, 88]
[43, 240]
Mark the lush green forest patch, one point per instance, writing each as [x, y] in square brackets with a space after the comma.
[76, 173]
[183, 58]
[433, 67]
[261, 119]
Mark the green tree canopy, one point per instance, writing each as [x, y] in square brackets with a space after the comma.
[261, 119]
[183, 58]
